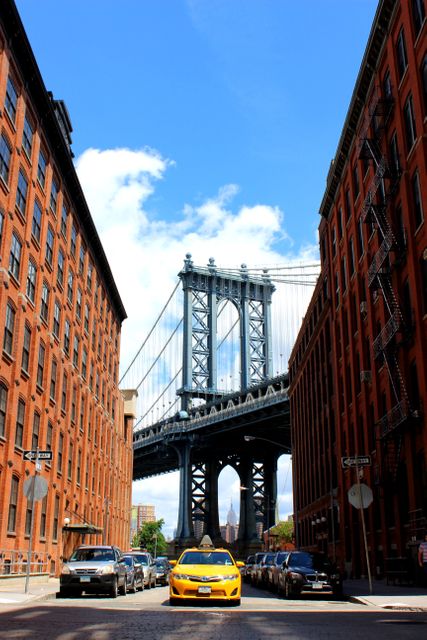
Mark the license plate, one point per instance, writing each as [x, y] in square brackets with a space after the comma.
[204, 590]
[317, 585]
[84, 578]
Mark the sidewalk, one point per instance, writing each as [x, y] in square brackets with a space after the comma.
[13, 592]
[387, 596]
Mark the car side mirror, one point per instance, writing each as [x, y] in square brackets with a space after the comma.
[172, 563]
[239, 563]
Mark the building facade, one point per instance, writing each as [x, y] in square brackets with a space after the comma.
[60, 324]
[359, 367]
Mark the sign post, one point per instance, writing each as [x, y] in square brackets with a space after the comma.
[34, 490]
[361, 500]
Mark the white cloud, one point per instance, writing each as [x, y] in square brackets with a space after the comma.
[145, 255]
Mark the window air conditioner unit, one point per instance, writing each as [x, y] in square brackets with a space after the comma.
[365, 376]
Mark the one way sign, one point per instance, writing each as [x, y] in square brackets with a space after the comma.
[355, 461]
[40, 455]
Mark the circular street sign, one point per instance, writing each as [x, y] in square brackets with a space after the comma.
[360, 496]
[40, 487]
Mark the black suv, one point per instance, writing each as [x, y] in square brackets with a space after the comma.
[94, 569]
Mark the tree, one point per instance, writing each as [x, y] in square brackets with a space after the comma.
[283, 530]
[150, 537]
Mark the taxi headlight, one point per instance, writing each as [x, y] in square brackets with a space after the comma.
[109, 568]
[66, 570]
[230, 576]
[180, 576]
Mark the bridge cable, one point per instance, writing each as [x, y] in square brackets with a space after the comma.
[151, 330]
[161, 352]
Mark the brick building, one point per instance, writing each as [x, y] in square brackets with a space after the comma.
[359, 366]
[60, 323]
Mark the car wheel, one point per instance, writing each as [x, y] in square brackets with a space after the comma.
[114, 590]
[174, 602]
[288, 593]
[154, 583]
[124, 588]
[133, 587]
[63, 593]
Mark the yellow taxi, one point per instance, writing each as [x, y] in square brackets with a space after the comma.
[205, 573]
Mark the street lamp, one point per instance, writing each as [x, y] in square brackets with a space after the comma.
[288, 450]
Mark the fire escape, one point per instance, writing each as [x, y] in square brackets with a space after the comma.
[377, 212]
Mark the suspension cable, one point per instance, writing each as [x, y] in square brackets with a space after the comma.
[151, 330]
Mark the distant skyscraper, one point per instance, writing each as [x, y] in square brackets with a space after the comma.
[141, 513]
[231, 529]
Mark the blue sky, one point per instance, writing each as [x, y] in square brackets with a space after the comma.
[200, 125]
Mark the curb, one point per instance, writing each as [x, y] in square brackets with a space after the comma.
[387, 607]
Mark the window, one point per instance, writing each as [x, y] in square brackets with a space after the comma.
[53, 195]
[334, 241]
[394, 156]
[9, 329]
[82, 412]
[70, 286]
[49, 245]
[4, 159]
[387, 87]
[347, 203]
[19, 427]
[423, 82]
[21, 193]
[402, 59]
[44, 306]
[89, 276]
[76, 351]
[423, 265]
[30, 288]
[41, 169]
[344, 274]
[79, 303]
[53, 375]
[36, 431]
[27, 136]
[55, 519]
[40, 364]
[57, 319]
[64, 392]
[74, 404]
[43, 518]
[11, 99]
[79, 465]
[26, 348]
[64, 220]
[60, 452]
[15, 257]
[73, 240]
[86, 320]
[3, 409]
[337, 290]
[82, 259]
[13, 503]
[84, 363]
[417, 200]
[409, 119]
[418, 15]
[70, 461]
[1, 225]
[351, 257]
[340, 223]
[37, 221]
[49, 437]
[67, 337]
[356, 187]
[60, 271]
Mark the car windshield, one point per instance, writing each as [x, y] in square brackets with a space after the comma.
[281, 557]
[160, 564]
[202, 557]
[310, 560]
[87, 555]
[141, 558]
[128, 560]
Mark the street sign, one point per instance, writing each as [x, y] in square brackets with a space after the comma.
[360, 496]
[33, 454]
[355, 461]
[40, 487]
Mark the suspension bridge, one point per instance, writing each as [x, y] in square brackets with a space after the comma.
[212, 383]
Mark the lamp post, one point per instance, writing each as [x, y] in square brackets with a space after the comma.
[288, 450]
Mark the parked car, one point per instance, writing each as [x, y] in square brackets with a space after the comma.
[254, 569]
[246, 570]
[148, 567]
[162, 571]
[94, 569]
[261, 569]
[134, 573]
[274, 569]
[312, 573]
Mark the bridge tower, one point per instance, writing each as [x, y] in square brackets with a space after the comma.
[205, 288]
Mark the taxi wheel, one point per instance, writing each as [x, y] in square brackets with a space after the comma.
[174, 602]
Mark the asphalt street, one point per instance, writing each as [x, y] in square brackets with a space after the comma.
[260, 617]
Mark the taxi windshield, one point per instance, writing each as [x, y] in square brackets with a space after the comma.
[203, 557]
